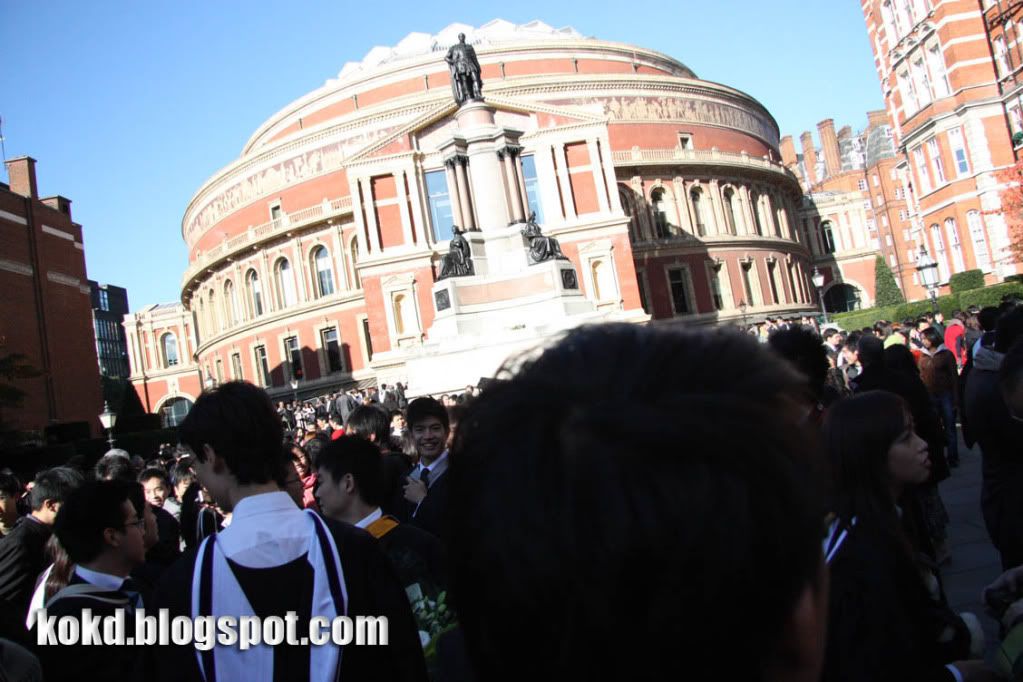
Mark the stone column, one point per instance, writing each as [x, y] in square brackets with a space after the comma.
[599, 180]
[339, 259]
[406, 221]
[546, 175]
[461, 163]
[685, 215]
[566, 183]
[511, 183]
[371, 216]
[747, 209]
[302, 285]
[360, 223]
[453, 194]
[720, 221]
[520, 180]
[608, 169]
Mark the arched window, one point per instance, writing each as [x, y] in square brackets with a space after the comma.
[626, 199]
[231, 312]
[657, 200]
[399, 314]
[169, 346]
[255, 293]
[211, 310]
[754, 198]
[173, 412]
[324, 271]
[827, 237]
[699, 211]
[285, 283]
[731, 211]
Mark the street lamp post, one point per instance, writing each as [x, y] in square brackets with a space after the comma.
[818, 282]
[108, 418]
[927, 267]
[294, 391]
[742, 309]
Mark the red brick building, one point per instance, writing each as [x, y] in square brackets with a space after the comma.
[45, 311]
[949, 71]
[313, 255]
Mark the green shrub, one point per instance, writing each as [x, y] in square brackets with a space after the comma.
[946, 304]
[858, 319]
[991, 295]
[966, 281]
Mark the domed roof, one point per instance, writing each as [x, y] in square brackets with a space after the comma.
[489, 34]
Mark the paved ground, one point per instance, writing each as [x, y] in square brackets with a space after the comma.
[975, 563]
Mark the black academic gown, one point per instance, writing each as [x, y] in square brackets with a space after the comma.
[431, 512]
[22, 559]
[79, 663]
[373, 590]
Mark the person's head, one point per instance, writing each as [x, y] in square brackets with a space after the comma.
[428, 423]
[832, 336]
[300, 458]
[50, 489]
[988, 318]
[349, 479]
[397, 422]
[1009, 329]
[369, 422]
[972, 322]
[931, 338]
[10, 493]
[922, 323]
[182, 476]
[898, 358]
[870, 350]
[236, 438]
[156, 485]
[116, 464]
[1011, 380]
[802, 347]
[294, 473]
[939, 317]
[99, 525]
[875, 454]
[650, 486]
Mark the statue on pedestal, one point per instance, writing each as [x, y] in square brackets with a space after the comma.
[466, 84]
[457, 262]
[541, 248]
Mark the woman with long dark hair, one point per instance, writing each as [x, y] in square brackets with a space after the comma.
[889, 619]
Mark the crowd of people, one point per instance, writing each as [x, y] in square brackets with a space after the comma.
[634, 502]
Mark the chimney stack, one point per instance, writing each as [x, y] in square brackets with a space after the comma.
[788, 151]
[829, 146]
[809, 158]
[877, 118]
[22, 174]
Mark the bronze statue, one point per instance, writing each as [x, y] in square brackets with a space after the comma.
[541, 248]
[466, 83]
[457, 262]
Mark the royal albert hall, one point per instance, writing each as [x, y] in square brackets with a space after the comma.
[315, 255]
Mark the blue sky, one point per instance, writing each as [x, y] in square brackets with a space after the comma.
[129, 106]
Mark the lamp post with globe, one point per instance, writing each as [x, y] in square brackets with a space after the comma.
[927, 268]
[818, 282]
[108, 418]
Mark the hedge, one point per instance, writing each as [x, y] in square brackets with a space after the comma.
[992, 295]
[966, 281]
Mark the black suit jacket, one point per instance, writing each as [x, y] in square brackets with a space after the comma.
[373, 590]
[78, 663]
[431, 513]
[21, 561]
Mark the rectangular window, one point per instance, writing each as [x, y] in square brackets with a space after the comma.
[275, 212]
[294, 353]
[236, 367]
[220, 371]
[533, 186]
[922, 82]
[878, 200]
[905, 235]
[866, 205]
[888, 240]
[1015, 119]
[884, 220]
[679, 291]
[441, 214]
[774, 284]
[979, 240]
[939, 253]
[955, 142]
[332, 350]
[685, 140]
[921, 169]
[909, 102]
[902, 215]
[891, 259]
[877, 181]
[910, 256]
[262, 366]
[715, 289]
[939, 168]
[1001, 60]
[104, 300]
[957, 247]
[862, 185]
[939, 75]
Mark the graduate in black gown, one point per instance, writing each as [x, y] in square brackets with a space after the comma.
[275, 558]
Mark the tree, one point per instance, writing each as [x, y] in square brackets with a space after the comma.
[886, 291]
[1012, 206]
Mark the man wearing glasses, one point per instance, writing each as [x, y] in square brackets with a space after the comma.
[104, 536]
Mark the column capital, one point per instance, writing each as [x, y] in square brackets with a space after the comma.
[457, 159]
